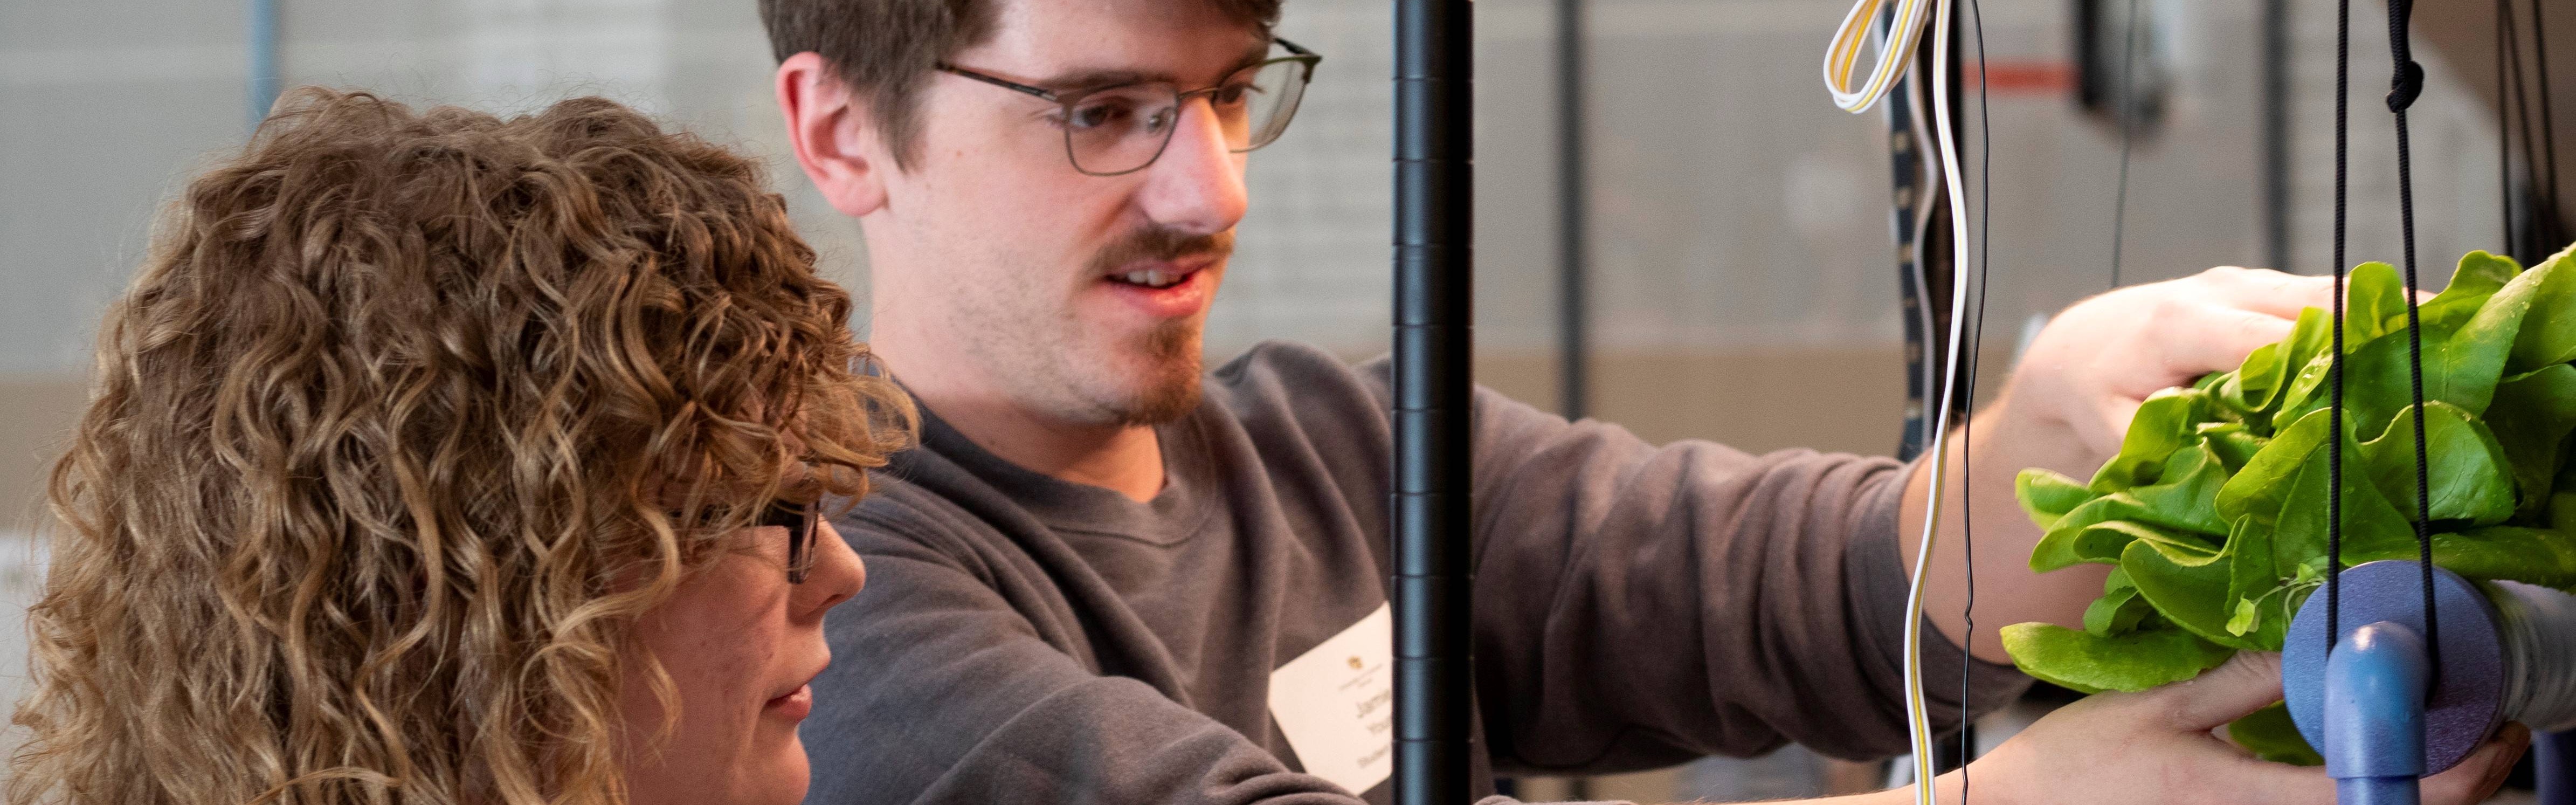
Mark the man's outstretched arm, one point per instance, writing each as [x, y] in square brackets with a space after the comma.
[1639, 602]
[1622, 587]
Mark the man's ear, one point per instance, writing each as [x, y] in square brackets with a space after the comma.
[836, 141]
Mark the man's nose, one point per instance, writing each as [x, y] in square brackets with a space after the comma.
[1197, 184]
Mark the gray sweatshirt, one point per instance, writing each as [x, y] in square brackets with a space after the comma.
[1023, 639]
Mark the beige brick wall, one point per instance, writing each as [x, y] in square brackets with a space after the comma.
[36, 416]
[1835, 399]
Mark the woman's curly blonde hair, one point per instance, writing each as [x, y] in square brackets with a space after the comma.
[405, 421]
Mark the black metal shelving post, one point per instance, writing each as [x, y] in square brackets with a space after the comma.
[1573, 216]
[1434, 276]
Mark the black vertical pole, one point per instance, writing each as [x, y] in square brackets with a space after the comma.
[1573, 219]
[1434, 276]
[2276, 134]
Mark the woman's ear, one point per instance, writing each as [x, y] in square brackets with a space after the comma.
[835, 138]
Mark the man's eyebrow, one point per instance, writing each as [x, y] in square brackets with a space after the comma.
[1251, 56]
[1092, 78]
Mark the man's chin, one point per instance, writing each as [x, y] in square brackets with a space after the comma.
[1162, 403]
[1167, 373]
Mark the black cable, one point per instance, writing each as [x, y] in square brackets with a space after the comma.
[2548, 121]
[2404, 86]
[2273, 135]
[2531, 232]
[2126, 116]
[1967, 427]
[2334, 370]
[2504, 120]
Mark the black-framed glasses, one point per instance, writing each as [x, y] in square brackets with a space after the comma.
[798, 519]
[1120, 129]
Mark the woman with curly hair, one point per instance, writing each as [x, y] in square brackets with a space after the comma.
[439, 458]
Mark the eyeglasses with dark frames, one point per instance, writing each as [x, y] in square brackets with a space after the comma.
[1120, 129]
[799, 520]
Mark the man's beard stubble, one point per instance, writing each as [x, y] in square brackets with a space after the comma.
[1174, 348]
[1171, 348]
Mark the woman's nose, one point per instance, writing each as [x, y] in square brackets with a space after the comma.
[837, 573]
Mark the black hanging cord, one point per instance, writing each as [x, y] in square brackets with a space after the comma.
[2404, 87]
[2406, 84]
[1967, 427]
[2125, 115]
[2548, 128]
[2534, 230]
[2274, 135]
[2508, 95]
[2334, 370]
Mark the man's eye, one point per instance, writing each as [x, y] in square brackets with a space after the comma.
[1232, 96]
[1099, 114]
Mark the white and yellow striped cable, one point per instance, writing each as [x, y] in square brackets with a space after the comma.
[1896, 53]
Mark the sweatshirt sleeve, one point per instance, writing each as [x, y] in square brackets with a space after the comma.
[1639, 606]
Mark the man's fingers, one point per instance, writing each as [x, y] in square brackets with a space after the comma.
[2269, 783]
[2218, 771]
[2478, 777]
[2247, 682]
[2509, 745]
[2267, 291]
[2213, 339]
[2105, 438]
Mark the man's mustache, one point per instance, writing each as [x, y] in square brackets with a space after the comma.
[1160, 243]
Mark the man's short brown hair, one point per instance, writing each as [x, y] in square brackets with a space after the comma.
[885, 50]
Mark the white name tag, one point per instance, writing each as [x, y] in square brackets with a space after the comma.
[1337, 704]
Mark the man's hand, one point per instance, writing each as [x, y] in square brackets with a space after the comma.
[2086, 373]
[2157, 747]
[2065, 408]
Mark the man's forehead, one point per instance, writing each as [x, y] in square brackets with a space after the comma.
[1079, 42]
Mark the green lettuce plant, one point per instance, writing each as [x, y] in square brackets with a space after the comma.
[2213, 514]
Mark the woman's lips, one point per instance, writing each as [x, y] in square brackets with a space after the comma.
[794, 706]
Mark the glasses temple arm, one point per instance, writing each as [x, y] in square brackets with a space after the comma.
[996, 81]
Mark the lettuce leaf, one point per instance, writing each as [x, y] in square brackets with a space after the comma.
[2213, 512]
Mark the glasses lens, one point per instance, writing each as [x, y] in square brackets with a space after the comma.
[1270, 101]
[1119, 129]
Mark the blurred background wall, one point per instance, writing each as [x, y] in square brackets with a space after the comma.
[1744, 286]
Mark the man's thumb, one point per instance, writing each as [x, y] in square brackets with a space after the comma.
[2245, 683]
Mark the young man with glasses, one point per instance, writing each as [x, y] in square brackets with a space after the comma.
[1105, 578]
